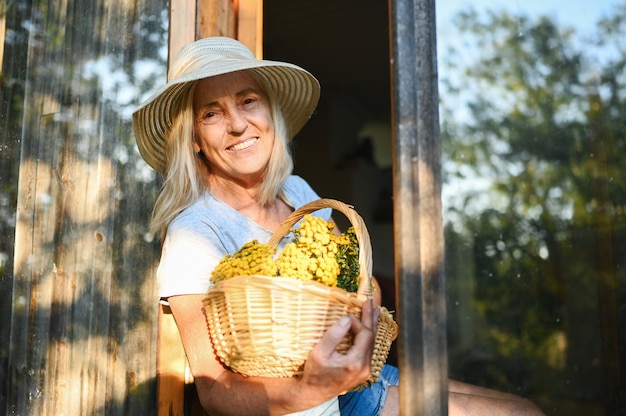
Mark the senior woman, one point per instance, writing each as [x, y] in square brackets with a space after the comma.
[219, 133]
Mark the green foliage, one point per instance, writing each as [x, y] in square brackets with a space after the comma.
[348, 259]
[545, 130]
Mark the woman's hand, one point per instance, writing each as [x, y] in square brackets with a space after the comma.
[328, 369]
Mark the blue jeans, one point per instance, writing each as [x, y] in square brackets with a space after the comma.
[369, 401]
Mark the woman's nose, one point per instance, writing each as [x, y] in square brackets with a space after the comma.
[238, 123]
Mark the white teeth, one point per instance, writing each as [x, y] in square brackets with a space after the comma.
[243, 145]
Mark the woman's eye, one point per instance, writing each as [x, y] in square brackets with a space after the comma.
[208, 117]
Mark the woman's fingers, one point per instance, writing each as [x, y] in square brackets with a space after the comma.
[328, 369]
[369, 315]
[365, 331]
[356, 362]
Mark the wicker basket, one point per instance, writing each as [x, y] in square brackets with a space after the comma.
[266, 326]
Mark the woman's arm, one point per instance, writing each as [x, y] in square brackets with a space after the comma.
[327, 373]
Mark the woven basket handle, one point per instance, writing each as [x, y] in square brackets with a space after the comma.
[362, 236]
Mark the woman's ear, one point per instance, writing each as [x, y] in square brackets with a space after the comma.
[196, 147]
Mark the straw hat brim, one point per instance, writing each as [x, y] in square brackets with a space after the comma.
[295, 90]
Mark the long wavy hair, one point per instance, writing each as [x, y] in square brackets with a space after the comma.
[184, 181]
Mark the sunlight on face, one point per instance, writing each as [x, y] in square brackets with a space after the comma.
[234, 128]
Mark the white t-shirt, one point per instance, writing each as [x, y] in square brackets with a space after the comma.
[329, 408]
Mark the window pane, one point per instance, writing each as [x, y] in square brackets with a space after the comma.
[533, 127]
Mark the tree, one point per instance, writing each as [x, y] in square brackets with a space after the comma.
[539, 153]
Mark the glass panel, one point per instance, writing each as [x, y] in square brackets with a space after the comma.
[83, 319]
[533, 120]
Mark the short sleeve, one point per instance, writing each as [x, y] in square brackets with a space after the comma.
[190, 252]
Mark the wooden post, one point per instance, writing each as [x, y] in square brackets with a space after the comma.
[3, 22]
[250, 25]
[418, 228]
[216, 18]
[182, 26]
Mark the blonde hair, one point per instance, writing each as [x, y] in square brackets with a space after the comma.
[184, 183]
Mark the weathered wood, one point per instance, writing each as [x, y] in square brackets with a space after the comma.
[171, 362]
[418, 221]
[182, 27]
[83, 321]
[217, 18]
[250, 25]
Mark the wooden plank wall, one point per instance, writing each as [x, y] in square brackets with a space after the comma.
[83, 317]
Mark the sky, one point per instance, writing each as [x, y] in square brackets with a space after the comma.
[582, 14]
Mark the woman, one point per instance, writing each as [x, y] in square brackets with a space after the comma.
[219, 133]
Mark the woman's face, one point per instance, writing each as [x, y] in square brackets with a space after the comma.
[234, 128]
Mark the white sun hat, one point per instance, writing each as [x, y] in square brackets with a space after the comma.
[296, 91]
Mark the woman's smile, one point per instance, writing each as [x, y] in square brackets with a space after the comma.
[246, 144]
